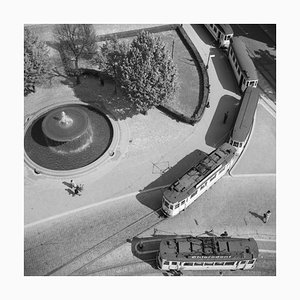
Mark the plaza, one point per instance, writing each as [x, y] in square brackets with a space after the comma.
[126, 186]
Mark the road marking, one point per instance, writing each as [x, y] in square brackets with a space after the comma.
[264, 240]
[267, 251]
[90, 206]
[253, 175]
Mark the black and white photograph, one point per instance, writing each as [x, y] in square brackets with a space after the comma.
[149, 145]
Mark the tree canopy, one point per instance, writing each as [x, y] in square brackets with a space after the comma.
[144, 69]
[77, 41]
[36, 61]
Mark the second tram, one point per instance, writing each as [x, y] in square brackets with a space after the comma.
[184, 191]
[244, 119]
[242, 65]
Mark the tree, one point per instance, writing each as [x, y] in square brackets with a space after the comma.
[148, 74]
[110, 58]
[36, 61]
[77, 41]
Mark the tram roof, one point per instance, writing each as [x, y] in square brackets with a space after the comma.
[246, 114]
[207, 248]
[185, 185]
[225, 28]
[245, 62]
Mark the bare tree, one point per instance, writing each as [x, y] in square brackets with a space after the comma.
[77, 41]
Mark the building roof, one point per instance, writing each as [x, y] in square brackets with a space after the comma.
[186, 185]
[244, 60]
[188, 248]
[246, 114]
[225, 28]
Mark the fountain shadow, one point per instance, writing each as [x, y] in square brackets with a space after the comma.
[151, 195]
[104, 96]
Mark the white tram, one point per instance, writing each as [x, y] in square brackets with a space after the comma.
[207, 253]
[244, 119]
[222, 33]
[184, 191]
[242, 65]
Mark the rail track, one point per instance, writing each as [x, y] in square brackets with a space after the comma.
[79, 264]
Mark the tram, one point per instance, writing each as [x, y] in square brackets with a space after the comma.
[198, 179]
[242, 65]
[207, 253]
[244, 119]
[222, 33]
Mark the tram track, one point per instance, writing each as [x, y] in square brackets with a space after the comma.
[78, 264]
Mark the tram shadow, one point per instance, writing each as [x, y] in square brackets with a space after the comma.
[151, 195]
[147, 248]
[218, 132]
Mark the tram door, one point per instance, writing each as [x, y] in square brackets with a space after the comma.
[219, 36]
[242, 264]
[173, 265]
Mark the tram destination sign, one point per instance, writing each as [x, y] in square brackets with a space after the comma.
[210, 256]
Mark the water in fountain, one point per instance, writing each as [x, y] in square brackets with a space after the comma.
[68, 137]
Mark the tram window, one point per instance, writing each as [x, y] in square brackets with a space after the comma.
[166, 263]
[182, 202]
[229, 263]
[171, 206]
[195, 193]
[177, 205]
[215, 29]
[173, 263]
[221, 170]
[199, 263]
[239, 72]
[213, 177]
[219, 263]
[242, 262]
[188, 264]
[167, 204]
[235, 144]
[211, 25]
[251, 262]
[208, 264]
[244, 80]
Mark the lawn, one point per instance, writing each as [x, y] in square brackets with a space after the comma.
[187, 96]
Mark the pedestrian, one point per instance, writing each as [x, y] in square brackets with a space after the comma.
[77, 189]
[207, 105]
[225, 117]
[73, 184]
[266, 216]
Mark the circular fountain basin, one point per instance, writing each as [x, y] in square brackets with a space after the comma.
[68, 141]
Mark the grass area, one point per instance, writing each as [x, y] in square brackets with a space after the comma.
[187, 96]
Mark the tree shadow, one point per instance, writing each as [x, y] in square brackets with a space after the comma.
[91, 91]
[153, 198]
[223, 70]
[218, 132]
[256, 215]
[252, 33]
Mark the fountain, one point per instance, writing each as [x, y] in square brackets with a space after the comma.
[68, 137]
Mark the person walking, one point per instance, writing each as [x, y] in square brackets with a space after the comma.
[73, 184]
[266, 216]
[225, 117]
[224, 234]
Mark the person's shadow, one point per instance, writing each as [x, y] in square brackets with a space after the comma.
[256, 215]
